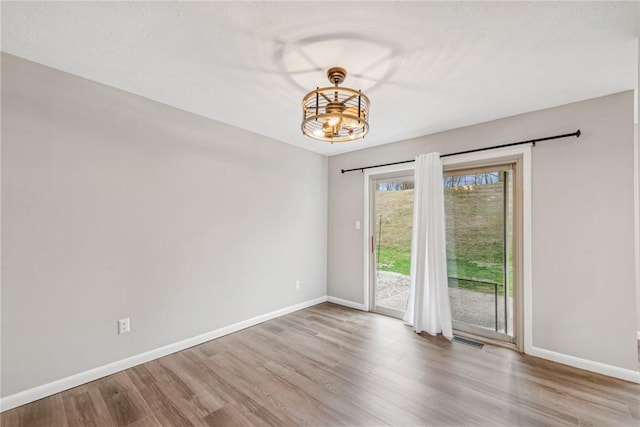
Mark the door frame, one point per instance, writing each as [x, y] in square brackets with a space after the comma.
[369, 176]
[373, 241]
[520, 154]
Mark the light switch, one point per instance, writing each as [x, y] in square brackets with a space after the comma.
[357, 225]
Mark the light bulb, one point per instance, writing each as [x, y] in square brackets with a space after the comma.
[334, 120]
[318, 132]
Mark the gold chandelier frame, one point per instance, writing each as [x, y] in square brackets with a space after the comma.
[335, 114]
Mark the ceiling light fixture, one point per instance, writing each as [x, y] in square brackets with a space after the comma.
[335, 114]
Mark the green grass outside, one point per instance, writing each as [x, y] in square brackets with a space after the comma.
[477, 233]
[394, 260]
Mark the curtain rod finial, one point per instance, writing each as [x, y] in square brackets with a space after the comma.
[578, 133]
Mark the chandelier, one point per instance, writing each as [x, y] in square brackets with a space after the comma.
[335, 114]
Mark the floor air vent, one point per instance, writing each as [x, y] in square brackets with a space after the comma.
[467, 342]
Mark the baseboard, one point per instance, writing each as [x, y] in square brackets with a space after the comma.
[347, 303]
[39, 392]
[589, 365]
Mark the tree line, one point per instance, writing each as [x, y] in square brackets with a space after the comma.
[449, 181]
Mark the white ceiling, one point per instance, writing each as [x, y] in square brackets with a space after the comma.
[427, 67]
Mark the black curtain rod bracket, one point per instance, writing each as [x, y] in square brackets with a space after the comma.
[530, 141]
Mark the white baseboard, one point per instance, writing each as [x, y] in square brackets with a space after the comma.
[589, 365]
[35, 393]
[347, 303]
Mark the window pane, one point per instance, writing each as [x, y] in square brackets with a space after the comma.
[476, 212]
[393, 223]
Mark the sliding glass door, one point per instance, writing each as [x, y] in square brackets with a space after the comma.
[479, 213]
[391, 225]
[482, 214]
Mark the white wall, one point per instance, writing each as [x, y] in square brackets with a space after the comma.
[117, 206]
[582, 219]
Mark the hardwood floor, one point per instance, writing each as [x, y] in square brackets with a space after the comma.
[328, 365]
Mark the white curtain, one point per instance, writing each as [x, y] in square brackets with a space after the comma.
[428, 308]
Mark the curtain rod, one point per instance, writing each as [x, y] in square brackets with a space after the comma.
[530, 141]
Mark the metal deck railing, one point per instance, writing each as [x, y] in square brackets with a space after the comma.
[495, 296]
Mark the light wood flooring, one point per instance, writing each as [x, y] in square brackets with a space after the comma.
[328, 365]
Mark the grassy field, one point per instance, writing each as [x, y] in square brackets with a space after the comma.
[394, 210]
[474, 236]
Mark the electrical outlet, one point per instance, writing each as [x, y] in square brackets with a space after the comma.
[124, 326]
[297, 284]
